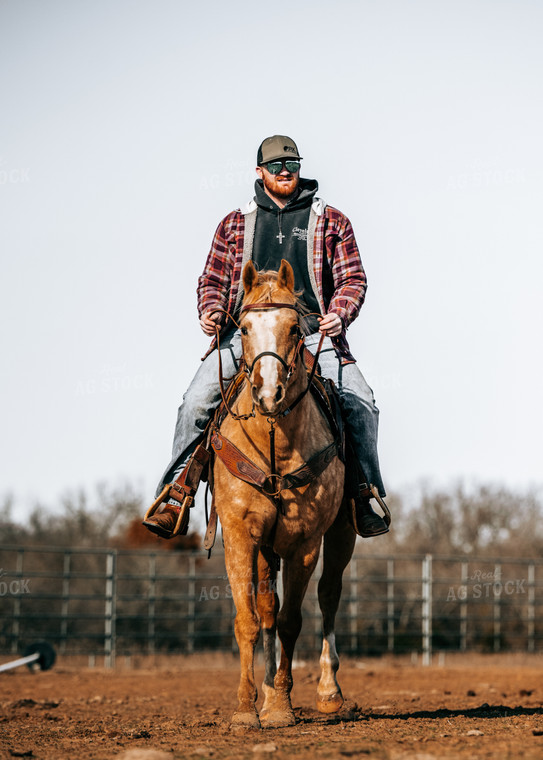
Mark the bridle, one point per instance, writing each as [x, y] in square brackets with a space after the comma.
[271, 419]
[288, 367]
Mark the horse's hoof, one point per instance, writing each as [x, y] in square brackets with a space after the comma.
[244, 720]
[331, 703]
[277, 718]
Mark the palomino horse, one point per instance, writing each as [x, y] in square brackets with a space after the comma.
[255, 525]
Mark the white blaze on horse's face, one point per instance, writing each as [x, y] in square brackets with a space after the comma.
[267, 389]
[265, 331]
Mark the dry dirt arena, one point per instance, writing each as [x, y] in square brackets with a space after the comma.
[459, 707]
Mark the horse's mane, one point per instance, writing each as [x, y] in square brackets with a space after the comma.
[266, 290]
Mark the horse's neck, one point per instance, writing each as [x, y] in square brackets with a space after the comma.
[301, 422]
[296, 387]
[298, 435]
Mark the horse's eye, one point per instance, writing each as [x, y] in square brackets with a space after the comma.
[244, 331]
[294, 330]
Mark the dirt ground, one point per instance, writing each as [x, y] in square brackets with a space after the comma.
[144, 709]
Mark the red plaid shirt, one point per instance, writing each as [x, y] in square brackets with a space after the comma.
[340, 277]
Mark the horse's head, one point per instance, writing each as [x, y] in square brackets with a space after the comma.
[270, 334]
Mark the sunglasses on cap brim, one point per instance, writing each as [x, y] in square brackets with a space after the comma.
[274, 167]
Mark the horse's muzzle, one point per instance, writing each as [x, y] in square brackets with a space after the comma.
[268, 401]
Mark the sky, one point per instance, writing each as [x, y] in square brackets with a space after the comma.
[129, 128]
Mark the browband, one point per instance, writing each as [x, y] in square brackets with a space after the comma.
[271, 305]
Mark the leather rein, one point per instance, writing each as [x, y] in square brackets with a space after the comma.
[235, 460]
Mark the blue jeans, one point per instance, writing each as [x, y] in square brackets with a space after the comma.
[203, 397]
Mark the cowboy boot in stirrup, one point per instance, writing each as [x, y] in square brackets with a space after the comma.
[165, 522]
[367, 522]
[177, 498]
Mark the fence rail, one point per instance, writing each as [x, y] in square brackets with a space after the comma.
[109, 602]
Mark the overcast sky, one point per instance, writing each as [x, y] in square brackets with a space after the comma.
[129, 128]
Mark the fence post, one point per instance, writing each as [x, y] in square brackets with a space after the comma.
[110, 610]
[191, 610]
[531, 607]
[496, 607]
[390, 605]
[464, 608]
[16, 627]
[353, 606]
[427, 610]
[65, 600]
[151, 605]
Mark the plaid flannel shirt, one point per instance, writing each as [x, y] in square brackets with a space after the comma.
[337, 270]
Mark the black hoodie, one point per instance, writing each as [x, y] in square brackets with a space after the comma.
[282, 234]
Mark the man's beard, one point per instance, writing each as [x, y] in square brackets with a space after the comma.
[280, 188]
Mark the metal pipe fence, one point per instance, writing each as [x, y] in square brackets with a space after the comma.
[106, 602]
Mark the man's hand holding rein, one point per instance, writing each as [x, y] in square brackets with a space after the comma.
[208, 322]
[330, 324]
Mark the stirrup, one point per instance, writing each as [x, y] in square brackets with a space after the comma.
[182, 517]
[183, 490]
[367, 492]
[386, 511]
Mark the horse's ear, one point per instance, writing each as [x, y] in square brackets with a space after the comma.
[285, 277]
[250, 276]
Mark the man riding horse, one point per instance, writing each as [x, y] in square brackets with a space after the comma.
[285, 220]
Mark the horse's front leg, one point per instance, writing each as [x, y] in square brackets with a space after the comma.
[339, 543]
[268, 603]
[297, 570]
[240, 553]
